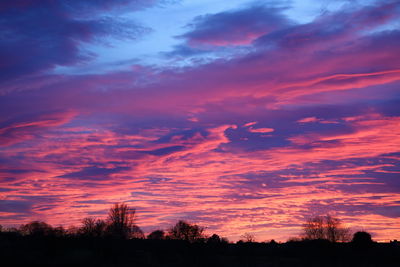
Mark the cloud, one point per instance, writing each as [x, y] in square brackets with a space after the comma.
[317, 109]
[308, 120]
[37, 37]
[22, 129]
[332, 28]
[250, 124]
[15, 206]
[237, 27]
[226, 183]
[261, 130]
[93, 173]
[165, 150]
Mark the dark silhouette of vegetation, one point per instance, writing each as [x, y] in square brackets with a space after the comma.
[36, 228]
[183, 230]
[40, 229]
[121, 221]
[156, 235]
[362, 238]
[118, 241]
[326, 227]
[214, 239]
[93, 228]
[120, 224]
[248, 238]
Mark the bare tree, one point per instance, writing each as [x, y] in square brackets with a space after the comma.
[248, 237]
[100, 228]
[88, 226]
[326, 227]
[92, 227]
[345, 234]
[186, 231]
[332, 228]
[314, 228]
[121, 221]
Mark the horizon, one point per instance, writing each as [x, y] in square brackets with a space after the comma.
[243, 116]
[317, 228]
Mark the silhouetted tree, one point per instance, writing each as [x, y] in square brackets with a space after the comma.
[73, 231]
[333, 228]
[224, 240]
[295, 239]
[362, 238]
[156, 235]
[59, 231]
[92, 227]
[249, 238]
[100, 228]
[314, 228]
[186, 231]
[326, 227]
[121, 222]
[88, 226]
[13, 230]
[214, 239]
[136, 232]
[36, 228]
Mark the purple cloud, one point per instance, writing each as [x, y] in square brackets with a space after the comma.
[15, 206]
[238, 27]
[309, 111]
[37, 36]
[93, 173]
[20, 129]
[327, 30]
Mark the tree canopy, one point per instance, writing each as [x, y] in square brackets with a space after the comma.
[325, 227]
[186, 231]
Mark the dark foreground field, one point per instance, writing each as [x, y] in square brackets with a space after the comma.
[30, 251]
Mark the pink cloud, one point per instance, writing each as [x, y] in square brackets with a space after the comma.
[200, 174]
[308, 120]
[261, 130]
[250, 124]
[167, 142]
[236, 27]
[19, 131]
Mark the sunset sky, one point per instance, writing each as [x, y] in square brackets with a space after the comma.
[241, 116]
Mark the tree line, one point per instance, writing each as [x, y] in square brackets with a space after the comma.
[121, 224]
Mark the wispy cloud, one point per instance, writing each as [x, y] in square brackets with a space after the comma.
[305, 120]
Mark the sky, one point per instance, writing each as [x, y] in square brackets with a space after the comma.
[241, 116]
